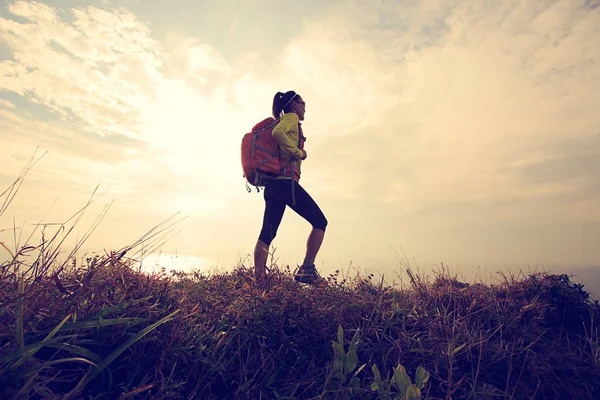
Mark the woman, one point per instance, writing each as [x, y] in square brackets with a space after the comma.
[284, 190]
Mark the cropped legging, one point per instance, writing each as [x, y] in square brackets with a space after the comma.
[278, 194]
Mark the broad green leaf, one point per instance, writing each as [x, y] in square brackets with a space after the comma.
[339, 350]
[413, 393]
[338, 366]
[350, 362]
[421, 377]
[401, 379]
[377, 381]
[376, 372]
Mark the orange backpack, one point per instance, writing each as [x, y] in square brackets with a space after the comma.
[260, 154]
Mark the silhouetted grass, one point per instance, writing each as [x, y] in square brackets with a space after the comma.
[104, 329]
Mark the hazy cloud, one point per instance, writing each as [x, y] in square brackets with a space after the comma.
[97, 70]
[462, 128]
[498, 87]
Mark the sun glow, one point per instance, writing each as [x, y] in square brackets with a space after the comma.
[174, 262]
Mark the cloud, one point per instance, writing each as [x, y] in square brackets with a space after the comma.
[149, 122]
[475, 102]
[97, 70]
[6, 104]
[424, 118]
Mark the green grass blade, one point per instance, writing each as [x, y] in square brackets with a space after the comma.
[102, 322]
[33, 347]
[71, 359]
[77, 350]
[459, 348]
[102, 365]
[35, 374]
[116, 308]
[57, 327]
[32, 352]
[99, 323]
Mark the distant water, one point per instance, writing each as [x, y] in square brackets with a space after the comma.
[173, 262]
[589, 276]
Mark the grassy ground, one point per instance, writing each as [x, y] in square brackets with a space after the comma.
[106, 330]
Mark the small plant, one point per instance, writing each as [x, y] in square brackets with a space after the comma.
[399, 387]
[406, 390]
[344, 364]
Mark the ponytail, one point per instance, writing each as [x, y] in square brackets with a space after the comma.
[277, 105]
[282, 102]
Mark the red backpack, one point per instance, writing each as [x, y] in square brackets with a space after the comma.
[260, 153]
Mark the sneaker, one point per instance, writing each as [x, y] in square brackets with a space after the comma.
[308, 274]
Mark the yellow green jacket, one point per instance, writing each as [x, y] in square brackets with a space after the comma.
[288, 135]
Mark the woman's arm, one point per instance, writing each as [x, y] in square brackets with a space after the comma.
[286, 124]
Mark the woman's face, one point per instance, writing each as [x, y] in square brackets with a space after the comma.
[299, 107]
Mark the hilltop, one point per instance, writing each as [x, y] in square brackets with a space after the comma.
[101, 328]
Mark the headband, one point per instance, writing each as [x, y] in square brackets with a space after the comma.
[290, 100]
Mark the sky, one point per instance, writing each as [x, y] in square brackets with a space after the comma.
[462, 132]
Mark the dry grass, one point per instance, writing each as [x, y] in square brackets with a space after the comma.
[106, 330]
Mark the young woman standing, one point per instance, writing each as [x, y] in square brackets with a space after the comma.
[285, 190]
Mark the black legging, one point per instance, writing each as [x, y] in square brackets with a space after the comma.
[278, 195]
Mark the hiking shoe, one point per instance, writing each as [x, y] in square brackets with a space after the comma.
[308, 274]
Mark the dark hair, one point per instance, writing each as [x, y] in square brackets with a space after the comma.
[283, 102]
